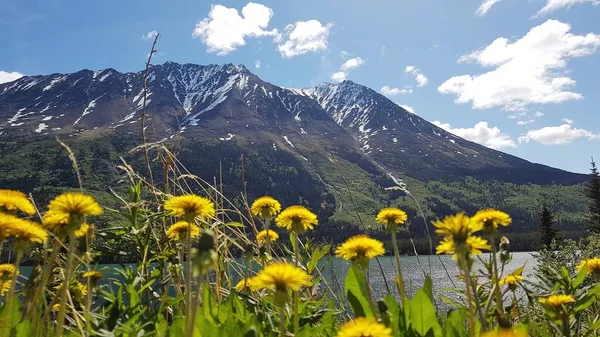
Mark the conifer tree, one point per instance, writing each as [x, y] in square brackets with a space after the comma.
[593, 192]
[547, 231]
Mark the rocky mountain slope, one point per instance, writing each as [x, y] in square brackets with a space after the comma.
[226, 108]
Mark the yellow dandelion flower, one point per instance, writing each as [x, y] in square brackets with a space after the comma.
[511, 280]
[593, 265]
[473, 244]
[80, 289]
[60, 224]
[490, 218]
[458, 226]
[12, 201]
[75, 204]
[56, 307]
[281, 277]
[24, 231]
[505, 333]
[557, 300]
[179, 231]
[7, 271]
[261, 237]
[360, 247]
[7, 222]
[244, 284]
[5, 286]
[391, 218]
[265, 207]
[190, 206]
[93, 275]
[296, 219]
[364, 327]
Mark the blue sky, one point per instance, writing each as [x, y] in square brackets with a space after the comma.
[519, 76]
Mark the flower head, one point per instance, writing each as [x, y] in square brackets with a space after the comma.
[244, 284]
[60, 224]
[261, 237]
[75, 204]
[364, 327]
[281, 277]
[391, 218]
[190, 206]
[473, 245]
[93, 275]
[511, 280]
[5, 286]
[24, 231]
[297, 219]
[593, 266]
[557, 300]
[458, 226]
[11, 201]
[490, 219]
[360, 247]
[7, 271]
[265, 207]
[179, 231]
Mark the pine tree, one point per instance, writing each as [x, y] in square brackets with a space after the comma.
[593, 192]
[547, 231]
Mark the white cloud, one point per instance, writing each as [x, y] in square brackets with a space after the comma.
[339, 76]
[382, 54]
[344, 54]
[257, 64]
[386, 90]
[552, 5]
[518, 115]
[346, 67]
[481, 133]
[407, 108]
[150, 35]
[352, 63]
[538, 114]
[485, 7]
[9, 76]
[527, 71]
[529, 121]
[567, 121]
[224, 29]
[304, 37]
[557, 135]
[419, 77]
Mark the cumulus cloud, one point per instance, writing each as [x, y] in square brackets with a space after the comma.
[529, 121]
[346, 67]
[389, 91]
[567, 121]
[538, 114]
[257, 64]
[339, 76]
[407, 108]
[224, 30]
[557, 135]
[150, 35]
[419, 77]
[304, 37]
[552, 5]
[530, 70]
[9, 76]
[481, 133]
[485, 7]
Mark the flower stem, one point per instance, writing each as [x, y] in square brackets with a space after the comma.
[188, 277]
[467, 275]
[282, 321]
[296, 303]
[60, 321]
[11, 294]
[194, 307]
[399, 279]
[496, 276]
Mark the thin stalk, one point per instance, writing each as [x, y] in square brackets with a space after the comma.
[267, 223]
[60, 321]
[188, 278]
[282, 321]
[190, 324]
[467, 275]
[365, 272]
[13, 287]
[296, 303]
[399, 279]
[496, 276]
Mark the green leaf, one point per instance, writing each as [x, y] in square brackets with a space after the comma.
[580, 276]
[317, 255]
[233, 224]
[423, 317]
[24, 329]
[428, 287]
[455, 324]
[357, 293]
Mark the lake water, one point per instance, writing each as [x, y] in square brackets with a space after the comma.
[442, 268]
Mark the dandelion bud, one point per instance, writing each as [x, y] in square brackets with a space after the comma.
[205, 255]
[504, 250]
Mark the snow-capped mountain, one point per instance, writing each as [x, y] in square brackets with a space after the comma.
[227, 102]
